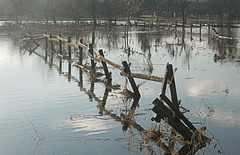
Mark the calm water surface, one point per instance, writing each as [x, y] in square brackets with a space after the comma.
[43, 112]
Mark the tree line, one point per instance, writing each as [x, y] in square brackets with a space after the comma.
[113, 10]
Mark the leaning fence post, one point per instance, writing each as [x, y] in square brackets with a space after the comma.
[92, 61]
[131, 80]
[165, 81]
[172, 85]
[69, 48]
[108, 76]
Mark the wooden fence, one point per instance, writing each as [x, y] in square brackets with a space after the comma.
[169, 110]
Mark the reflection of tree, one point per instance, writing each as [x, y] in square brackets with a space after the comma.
[225, 48]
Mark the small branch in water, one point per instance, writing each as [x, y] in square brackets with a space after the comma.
[39, 135]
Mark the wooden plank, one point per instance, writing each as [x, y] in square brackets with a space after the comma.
[143, 76]
[172, 86]
[164, 85]
[163, 112]
[100, 58]
[176, 110]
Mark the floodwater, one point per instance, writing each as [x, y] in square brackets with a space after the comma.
[44, 111]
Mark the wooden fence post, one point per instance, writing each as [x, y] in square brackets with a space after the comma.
[172, 85]
[191, 31]
[200, 31]
[165, 81]
[92, 61]
[52, 50]
[131, 80]
[69, 49]
[108, 75]
[163, 112]
[52, 46]
[80, 52]
[209, 29]
[80, 62]
[69, 70]
[46, 52]
[60, 45]
[179, 114]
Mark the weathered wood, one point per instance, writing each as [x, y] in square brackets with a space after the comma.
[143, 76]
[100, 58]
[191, 31]
[131, 80]
[52, 46]
[60, 45]
[33, 39]
[172, 86]
[209, 28]
[69, 49]
[166, 77]
[92, 61]
[200, 31]
[82, 67]
[46, 51]
[80, 52]
[176, 110]
[80, 62]
[69, 70]
[105, 68]
[163, 112]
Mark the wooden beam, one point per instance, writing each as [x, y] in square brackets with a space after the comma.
[176, 110]
[143, 76]
[163, 112]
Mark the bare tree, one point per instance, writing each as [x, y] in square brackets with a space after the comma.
[132, 7]
[115, 7]
[75, 8]
[219, 8]
[18, 7]
[182, 6]
[93, 6]
[49, 8]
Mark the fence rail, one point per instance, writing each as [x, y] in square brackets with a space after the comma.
[178, 121]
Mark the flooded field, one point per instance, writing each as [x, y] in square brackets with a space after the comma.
[46, 111]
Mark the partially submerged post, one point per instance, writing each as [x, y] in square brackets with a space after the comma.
[108, 75]
[69, 49]
[52, 50]
[173, 114]
[46, 42]
[191, 31]
[92, 61]
[60, 45]
[52, 46]
[200, 31]
[131, 80]
[80, 62]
